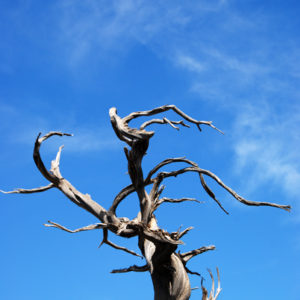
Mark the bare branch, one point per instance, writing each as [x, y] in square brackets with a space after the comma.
[170, 200]
[62, 184]
[30, 191]
[184, 232]
[37, 158]
[177, 234]
[222, 184]
[121, 195]
[106, 241]
[165, 108]
[133, 268]
[160, 236]
[85, 228]
[55, 164]
[166, 162]
[210, 193]
[188, 255]
[212, 295]
[192, 272]
[130, 189]
[163, 121]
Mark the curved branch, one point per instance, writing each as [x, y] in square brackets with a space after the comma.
[62, 184]
[165, 108]
[210, 193]
[106, 241]
[85, 228]
[130, 189]
[164, 121]
[169, 200]
[30, 191]
[37, 158]
[212, 295]
[167, 162]
[82, 200]
[222, 184]
[121, 195]
[189, 255]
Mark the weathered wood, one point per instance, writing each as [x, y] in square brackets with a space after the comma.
[166, 265]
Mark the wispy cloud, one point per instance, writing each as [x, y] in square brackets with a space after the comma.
[105, 27]
[24, 132]
[190, 63]
[266, 148]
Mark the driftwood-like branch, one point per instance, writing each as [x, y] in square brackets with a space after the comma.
[37, 158]
[30, 191]
[164, 121]
[170, 200]
[184, 232]
[109, 243]
[54, 176]
[189, 255]
[167, 267]
[212, 295]
[165, 108]
[222, 184]
[210, 193]
[133, 268]
[160, 236]
[85, 228]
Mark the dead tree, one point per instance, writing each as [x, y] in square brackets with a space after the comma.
[167, 266]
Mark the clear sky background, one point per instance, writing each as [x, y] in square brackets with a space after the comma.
[64, 63]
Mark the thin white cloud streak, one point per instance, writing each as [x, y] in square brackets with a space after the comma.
[267, 149]
[228, 52]
[106, 27]
[25, 131]
[190, 64]
[233, 62]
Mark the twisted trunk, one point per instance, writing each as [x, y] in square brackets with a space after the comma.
[169, 276]
[167, 267]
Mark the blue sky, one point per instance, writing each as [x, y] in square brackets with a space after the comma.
[63, 64]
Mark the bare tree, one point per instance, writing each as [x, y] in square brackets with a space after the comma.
[167, 266]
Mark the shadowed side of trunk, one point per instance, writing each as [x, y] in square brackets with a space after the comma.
[169, 277]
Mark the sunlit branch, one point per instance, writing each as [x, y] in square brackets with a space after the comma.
[164, 121]
[30, 191]
[85, 228]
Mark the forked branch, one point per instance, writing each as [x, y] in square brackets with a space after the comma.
[189, 255]
[109, 243]
[222, 184]
[85, 228]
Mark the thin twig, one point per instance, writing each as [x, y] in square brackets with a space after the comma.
[85, 228]
[30, 191]
[188, 255]
[133, 268]
[106, 241]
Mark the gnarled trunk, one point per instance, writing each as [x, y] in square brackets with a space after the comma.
[170, 280]
[167, 267]
[169, 276]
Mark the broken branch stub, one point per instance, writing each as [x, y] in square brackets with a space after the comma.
[166, 265]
